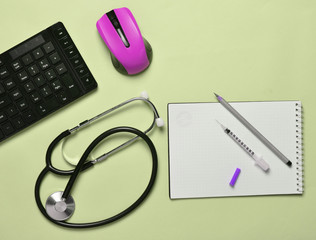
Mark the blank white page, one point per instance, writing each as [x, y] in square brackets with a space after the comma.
[203, 158]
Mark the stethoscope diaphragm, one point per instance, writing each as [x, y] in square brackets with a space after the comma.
[59, 208]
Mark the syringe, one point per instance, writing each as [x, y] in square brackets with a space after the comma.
[258, 159]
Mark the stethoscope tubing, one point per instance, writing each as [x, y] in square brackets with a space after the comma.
[82, 165]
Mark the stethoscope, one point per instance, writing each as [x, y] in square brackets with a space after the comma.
[60, 205]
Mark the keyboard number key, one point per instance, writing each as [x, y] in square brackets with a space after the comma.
[23, 76]
[46, 91]
[35, 97]
[38, 53]
[33, 70]
[56, 85]
[54, 58]
[50, 74]
[29, 87]
[44, 64]
[39, 81]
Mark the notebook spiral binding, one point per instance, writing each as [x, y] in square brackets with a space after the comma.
[299, 147]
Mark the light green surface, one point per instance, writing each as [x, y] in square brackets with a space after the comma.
[243, 50]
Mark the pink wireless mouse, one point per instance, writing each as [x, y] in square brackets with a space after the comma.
[130, 52]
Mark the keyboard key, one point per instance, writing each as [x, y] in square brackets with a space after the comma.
[39, 81]
[38, 53]
[18, 122]
[3, 117]
[16, 65]
[4, 101]
[52, 103]
[69, 84]
[50, 74]
[46, 91]
[42, 109]
[82, 70]
[46, 107]
[60, 32]
[7, 128]
[48, 47]
[4, 73]
[87, 80]
[27, 59]
[44, 64]
[65, 42]
[22, 105]
[61, 69]
[76, 61]
[29, 116]
[71, 51]
[35, 97]
[11, 111]
[23, 76]
[9, 84]
[16, 94]
[56, 85]
[33, 70]
[63, 97]
[54, 58]
[29, 87]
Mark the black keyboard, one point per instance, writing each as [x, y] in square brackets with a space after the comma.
[39, 76]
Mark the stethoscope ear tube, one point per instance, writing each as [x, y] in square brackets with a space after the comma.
[82, 166]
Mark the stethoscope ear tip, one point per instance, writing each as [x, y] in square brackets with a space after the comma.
[159, 122]
[144, 94]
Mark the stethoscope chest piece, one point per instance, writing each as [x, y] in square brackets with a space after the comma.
[59, 208]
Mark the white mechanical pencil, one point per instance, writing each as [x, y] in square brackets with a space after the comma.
[258, 159]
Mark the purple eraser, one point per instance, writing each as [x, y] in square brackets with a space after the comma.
[234, 178]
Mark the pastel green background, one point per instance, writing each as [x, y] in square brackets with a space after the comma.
[243, 50]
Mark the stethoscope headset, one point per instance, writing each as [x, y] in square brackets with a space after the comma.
[60, 205]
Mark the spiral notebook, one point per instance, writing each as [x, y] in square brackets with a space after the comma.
[203, 159]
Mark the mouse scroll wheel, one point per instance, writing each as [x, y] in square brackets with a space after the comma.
[115, 23]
